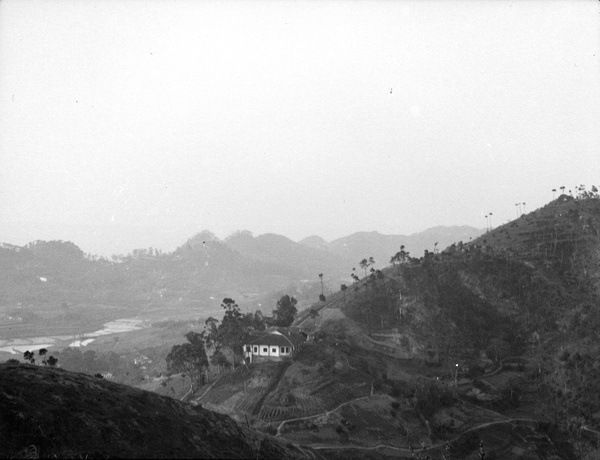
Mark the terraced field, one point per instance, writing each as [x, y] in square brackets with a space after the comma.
[251, 398]
[241, 391]
[315, 395]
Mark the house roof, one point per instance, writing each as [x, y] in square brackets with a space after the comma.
[278, 336]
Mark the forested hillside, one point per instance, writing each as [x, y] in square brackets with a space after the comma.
[528, 289]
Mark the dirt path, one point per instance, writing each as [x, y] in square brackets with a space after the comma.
[323, 414]
[403, 452]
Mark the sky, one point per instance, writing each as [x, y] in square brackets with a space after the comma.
[130, 124]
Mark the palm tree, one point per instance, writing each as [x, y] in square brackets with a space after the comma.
[364, 264]
[553, 193]
[321, 277]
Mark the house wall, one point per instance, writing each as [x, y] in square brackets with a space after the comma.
[273, 350]
[259, 353]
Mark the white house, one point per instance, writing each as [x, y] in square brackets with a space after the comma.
[274, 344]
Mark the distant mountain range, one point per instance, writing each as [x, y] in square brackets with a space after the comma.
[204, 269]
[381, 247]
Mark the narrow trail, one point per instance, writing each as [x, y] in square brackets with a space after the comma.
[207, 390]
[323, 414]
[186, 395]
[403, 452]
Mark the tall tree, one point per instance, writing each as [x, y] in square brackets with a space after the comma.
[286, 311]
[220, 360]
[401, 257]
[211, 332]
[29, 356]
[189, 358]
[42, 352]
[364, 264]
[232, 330]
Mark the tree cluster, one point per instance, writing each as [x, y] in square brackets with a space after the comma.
[189, 358]
[29, 356]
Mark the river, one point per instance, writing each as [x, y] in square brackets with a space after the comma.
[119, 326]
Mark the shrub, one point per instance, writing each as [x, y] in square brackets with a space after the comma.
[401, 388]
[475, 371]
[270, 430]
[395, 392]
[405, 343]
[431, 397]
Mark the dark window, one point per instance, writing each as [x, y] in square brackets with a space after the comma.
[265, 350]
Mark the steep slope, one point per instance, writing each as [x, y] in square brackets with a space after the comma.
[527, 289]
[70, 415]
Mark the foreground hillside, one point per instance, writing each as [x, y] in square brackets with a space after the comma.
[54, 413]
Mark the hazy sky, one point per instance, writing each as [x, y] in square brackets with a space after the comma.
[130, 124]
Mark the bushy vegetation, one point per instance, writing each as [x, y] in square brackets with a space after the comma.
[430, 397]
[123, 370]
